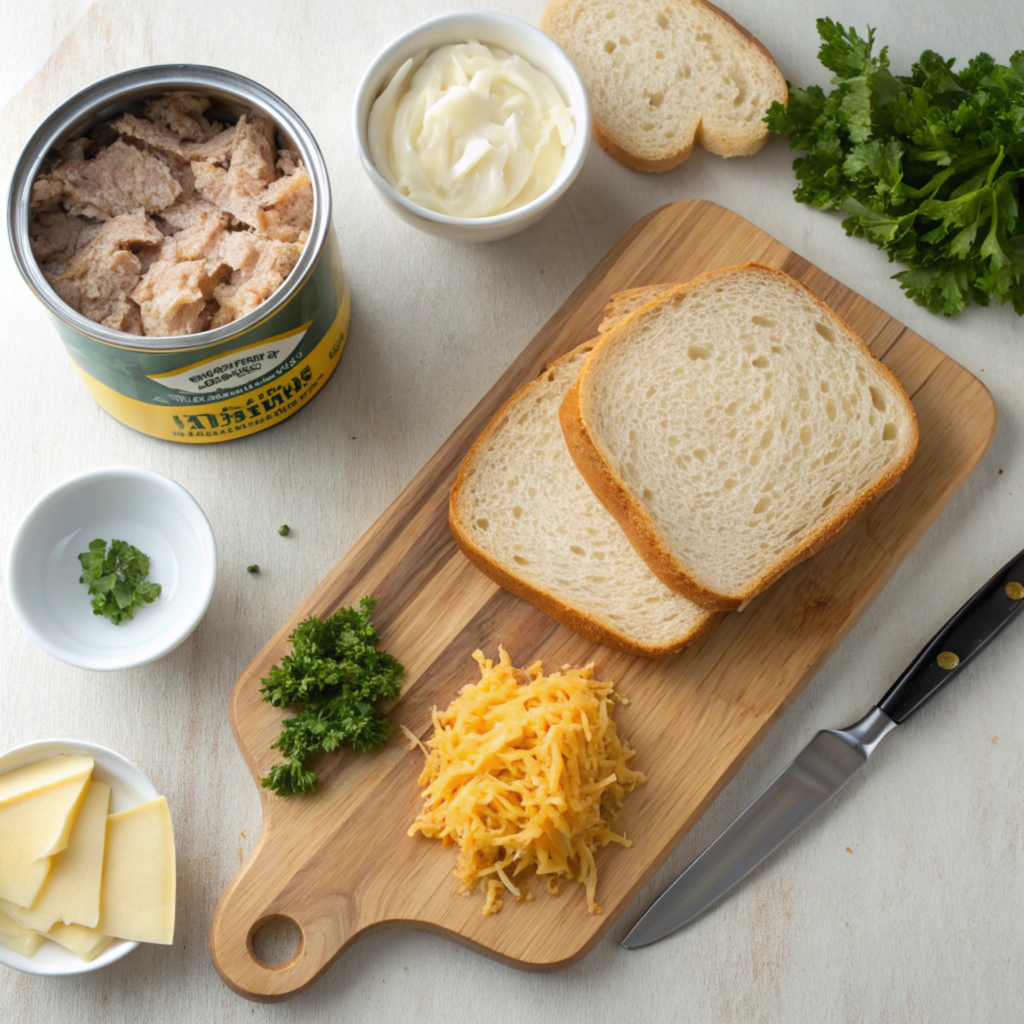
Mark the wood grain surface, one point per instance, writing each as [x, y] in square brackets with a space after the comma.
[339, 863]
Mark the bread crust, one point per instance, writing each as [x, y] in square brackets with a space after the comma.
[711, 143]
[632, 516]
[613, 312]
[578, 620]
[634, 162]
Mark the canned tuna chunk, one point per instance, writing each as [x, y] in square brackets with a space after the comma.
[176, 223]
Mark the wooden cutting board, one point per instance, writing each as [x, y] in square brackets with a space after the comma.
[340, 863]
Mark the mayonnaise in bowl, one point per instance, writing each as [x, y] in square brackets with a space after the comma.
[469, 130]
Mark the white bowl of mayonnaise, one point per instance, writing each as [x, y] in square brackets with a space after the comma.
[472, 125]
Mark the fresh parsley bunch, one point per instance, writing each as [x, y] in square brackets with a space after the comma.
[927, 165]
[117, 579]
[336, 676]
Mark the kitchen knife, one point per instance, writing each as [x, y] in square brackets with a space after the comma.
[830, 760]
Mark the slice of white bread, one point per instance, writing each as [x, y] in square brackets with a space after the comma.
[733, 427]
[629, 301]
[663, 74]
[523, 514]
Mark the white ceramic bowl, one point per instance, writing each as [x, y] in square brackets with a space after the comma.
[510, 34]
[128, 787]
[144, 508]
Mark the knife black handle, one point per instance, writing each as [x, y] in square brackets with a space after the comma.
[960, 640]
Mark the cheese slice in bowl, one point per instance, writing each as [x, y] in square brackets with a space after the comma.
[87, 943]
[21, 940]
[38, 807]
[41, 775]
[71, 894]
[138, 894]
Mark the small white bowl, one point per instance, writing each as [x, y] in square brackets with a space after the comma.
[128, 787]
[148, 510]
[490, 29]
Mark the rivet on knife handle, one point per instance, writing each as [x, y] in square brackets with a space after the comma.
[986, 614]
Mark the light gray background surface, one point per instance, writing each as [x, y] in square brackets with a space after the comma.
[901, 903]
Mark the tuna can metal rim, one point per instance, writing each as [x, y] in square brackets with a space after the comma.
[105, 100]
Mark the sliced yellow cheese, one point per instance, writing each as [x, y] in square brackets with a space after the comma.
[71, 894]
[137, 896]
[86, 942]
[21, 940]
[34, 825]
[42, 775]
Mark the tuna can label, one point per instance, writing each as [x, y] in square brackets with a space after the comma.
[236, 387]
[218, 374]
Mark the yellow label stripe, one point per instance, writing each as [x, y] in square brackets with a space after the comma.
[256, 410]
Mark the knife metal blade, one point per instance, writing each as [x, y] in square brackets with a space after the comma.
[821, 769]
[831, 759]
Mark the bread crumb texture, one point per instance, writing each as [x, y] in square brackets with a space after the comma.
[744, 417]
[663, 74]
[522, 503]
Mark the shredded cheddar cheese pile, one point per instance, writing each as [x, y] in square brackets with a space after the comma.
[525, 771]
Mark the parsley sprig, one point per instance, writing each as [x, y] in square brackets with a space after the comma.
[335, 675]
[926, 165]
[117, 579]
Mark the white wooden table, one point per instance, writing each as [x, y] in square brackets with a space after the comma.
[901, 903]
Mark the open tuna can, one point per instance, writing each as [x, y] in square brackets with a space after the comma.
[176, 223]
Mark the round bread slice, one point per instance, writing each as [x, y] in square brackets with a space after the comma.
[663, 74]
[733, 427]
[523, 515]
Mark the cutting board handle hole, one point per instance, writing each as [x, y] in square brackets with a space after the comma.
[275, 941]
